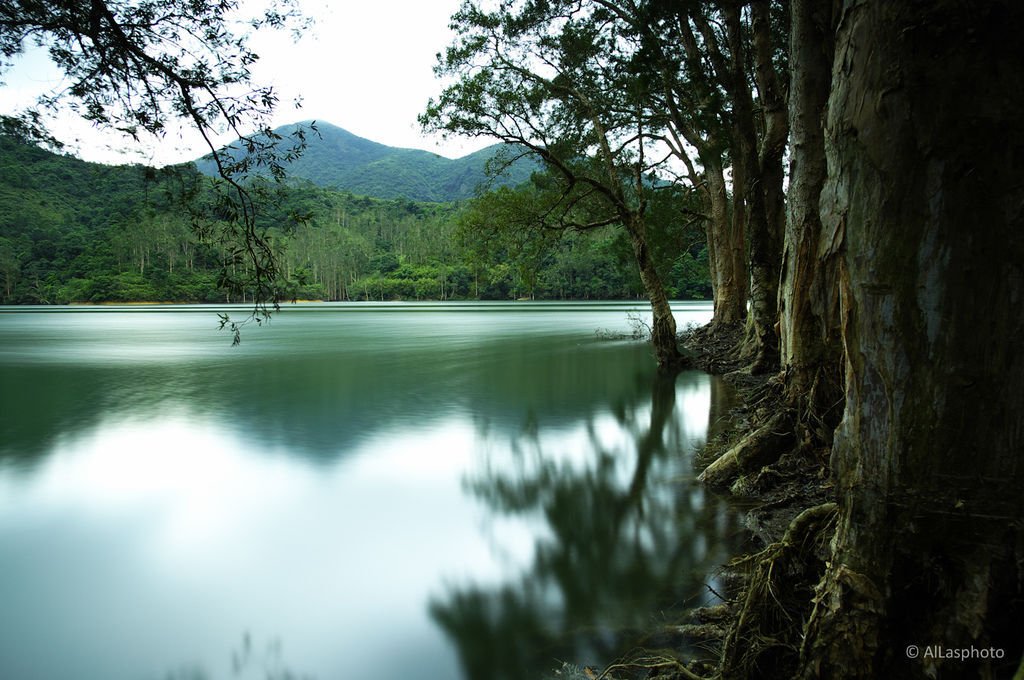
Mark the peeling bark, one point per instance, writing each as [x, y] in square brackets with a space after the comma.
[926, 150]
[726, 249]
[810, 343]
[750, 203]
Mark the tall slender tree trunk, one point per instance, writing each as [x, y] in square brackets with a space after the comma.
[726, 248]
[811, 348]
[771, 92]
[772, 99]
[663, 326]
[709, 71]
[925, 145]
[749, 191]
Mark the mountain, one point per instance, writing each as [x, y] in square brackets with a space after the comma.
[338, 159]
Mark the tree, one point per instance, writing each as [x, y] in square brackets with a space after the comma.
[923, 206]
[811, 347]
[551, 78]
[730, 44]
[717, 76]
[134, 65]
[10, 266]
[901, 282]
[679, 54]
[762, 154]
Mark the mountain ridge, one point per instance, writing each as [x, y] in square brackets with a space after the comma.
[337, 159]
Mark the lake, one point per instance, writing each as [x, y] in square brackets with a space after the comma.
[359, 490]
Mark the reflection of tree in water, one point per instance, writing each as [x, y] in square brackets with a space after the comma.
[631, 540]
[248, 662]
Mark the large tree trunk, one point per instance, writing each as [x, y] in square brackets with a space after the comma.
[926, 154]
[810, 345]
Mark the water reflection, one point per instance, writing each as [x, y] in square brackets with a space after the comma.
[316, 384]
[152, 543]
[344, 483]
[627, 537]
[250, 661]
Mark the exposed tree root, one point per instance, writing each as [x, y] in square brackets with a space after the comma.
[769, 625]
[715, 348]
[648, 663]
[761, 447]
[816, 394]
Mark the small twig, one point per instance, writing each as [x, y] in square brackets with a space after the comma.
[715, 592]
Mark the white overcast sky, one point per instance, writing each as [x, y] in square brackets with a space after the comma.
[365, 66]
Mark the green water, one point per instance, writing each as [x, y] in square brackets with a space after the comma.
[430, 491]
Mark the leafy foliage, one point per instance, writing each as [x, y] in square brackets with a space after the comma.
[555, 78]
[135, 65]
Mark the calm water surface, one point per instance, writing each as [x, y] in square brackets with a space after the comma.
[391, 491]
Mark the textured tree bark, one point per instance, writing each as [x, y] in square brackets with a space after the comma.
[924, 198]
[810, 343]
[749, 203]
[768, 248]
[663, 326]
[726, 249]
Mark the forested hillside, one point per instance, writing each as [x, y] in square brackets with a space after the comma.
[337, 159]
[76, 231]
[72, 231]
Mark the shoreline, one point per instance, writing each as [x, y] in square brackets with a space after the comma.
[785, 498]
[282, 303]
[153, 303]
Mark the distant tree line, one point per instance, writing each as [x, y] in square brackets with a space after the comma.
[72, 231]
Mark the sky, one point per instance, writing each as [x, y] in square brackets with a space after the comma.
[364, 66]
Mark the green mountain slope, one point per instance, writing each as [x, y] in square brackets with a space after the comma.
[338, 159]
